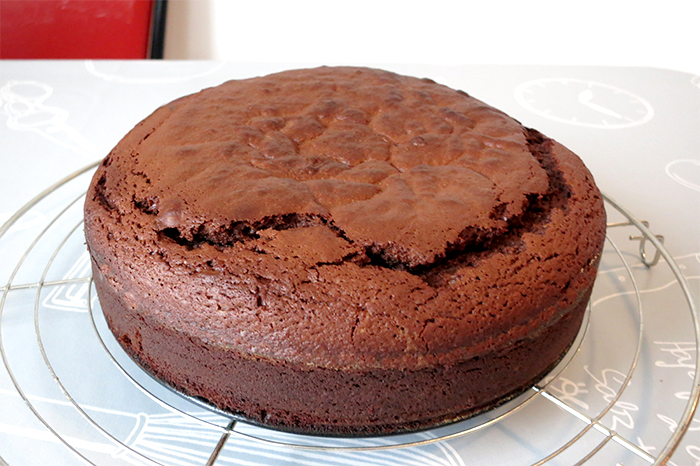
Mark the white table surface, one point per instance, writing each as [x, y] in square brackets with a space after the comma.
[638, 130]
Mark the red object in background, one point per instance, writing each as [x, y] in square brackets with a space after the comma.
[75, 28]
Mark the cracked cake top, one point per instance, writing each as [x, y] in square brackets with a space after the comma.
[344, 217]
[423, 161]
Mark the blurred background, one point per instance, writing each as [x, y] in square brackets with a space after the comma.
[445, 32]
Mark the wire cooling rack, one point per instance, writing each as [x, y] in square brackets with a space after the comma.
[79, 398]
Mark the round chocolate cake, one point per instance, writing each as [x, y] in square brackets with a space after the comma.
[343, 251]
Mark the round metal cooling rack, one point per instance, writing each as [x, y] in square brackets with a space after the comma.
[211, 430]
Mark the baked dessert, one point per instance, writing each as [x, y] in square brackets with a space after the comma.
[343, 251]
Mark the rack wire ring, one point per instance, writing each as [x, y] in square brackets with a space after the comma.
[664, 455]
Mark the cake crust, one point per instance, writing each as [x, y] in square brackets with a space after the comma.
[343, 250]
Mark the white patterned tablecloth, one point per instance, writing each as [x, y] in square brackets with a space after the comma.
[68, 395]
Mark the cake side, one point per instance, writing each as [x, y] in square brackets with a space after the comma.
[271, 259]
[323, 401]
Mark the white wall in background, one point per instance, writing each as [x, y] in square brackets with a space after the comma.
[188, 30]
[596, 32]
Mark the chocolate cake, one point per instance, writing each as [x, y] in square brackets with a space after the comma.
[343, 251]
